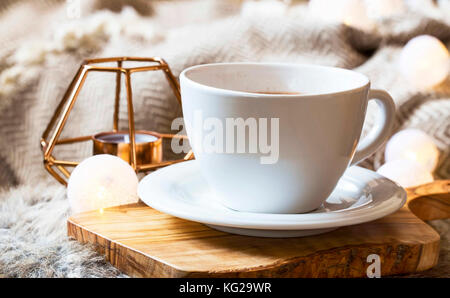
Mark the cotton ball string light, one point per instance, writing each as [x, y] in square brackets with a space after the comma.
[411, 156]
[424, 61]
[405, 172]
[350, 12]
[421, 5]
[272, 8]
[101, 181]
[384, 8]
[413, 145]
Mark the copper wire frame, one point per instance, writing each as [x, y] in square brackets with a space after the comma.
[62, 112]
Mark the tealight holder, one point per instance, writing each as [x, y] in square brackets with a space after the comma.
[141, 149]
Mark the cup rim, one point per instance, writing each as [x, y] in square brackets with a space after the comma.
[185, 78]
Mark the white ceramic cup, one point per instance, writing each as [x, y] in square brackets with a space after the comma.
[318, 130]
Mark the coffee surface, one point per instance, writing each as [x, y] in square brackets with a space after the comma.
[276, 92]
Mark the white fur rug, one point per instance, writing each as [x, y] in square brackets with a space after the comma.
[33, 237]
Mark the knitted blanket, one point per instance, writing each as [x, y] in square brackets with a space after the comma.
[44, 42]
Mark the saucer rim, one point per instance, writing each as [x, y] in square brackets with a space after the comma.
[366, 213]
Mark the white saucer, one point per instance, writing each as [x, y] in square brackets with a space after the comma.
[360, 196]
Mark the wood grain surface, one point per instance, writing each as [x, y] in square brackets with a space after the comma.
[143, 242]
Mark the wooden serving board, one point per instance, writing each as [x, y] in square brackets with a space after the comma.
[143, 242]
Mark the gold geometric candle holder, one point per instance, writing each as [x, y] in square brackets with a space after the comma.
[144, 154]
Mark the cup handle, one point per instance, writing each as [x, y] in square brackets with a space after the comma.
[380, 131]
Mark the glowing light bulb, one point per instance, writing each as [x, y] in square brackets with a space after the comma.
[263, 8]
[413, 145]
[349, 12]
[101, 181]
[384, 8]
[424, 61]
[406, 172]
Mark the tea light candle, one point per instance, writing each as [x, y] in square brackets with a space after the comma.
[148, 146]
